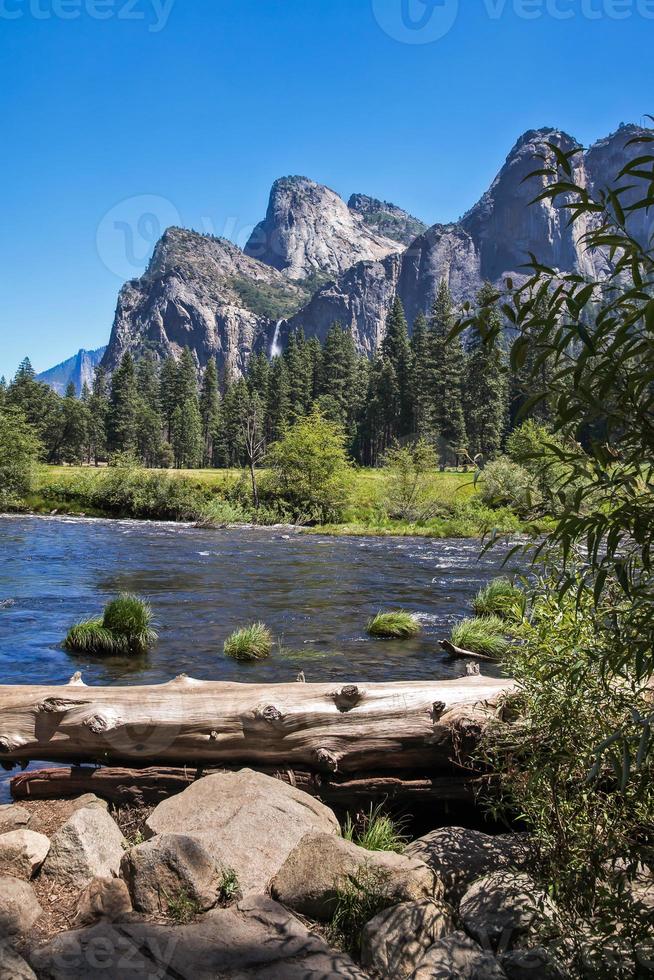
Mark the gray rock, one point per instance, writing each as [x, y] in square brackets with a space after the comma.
[458, 856]
[394, 942]
[13, 966]
[19, 908]
[13, 817]
[64, 811]
[258, 940]
[245, 820]
[167, 866]
[309, 879]
[22, 852]
[501, 907]
[457, 957]
[89, 845]
[387, 219]
[103, 898]
[532, 964]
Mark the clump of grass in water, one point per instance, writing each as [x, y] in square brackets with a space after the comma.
[378, 831]
[396, 625]
[252, 642]
[483, 634]
[359, 898]
[499, 598]
[125, 627]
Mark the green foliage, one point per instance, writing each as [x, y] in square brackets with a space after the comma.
[505, 482]
[19, 449]
[397, 625]
[252, 642]
[376, 831]
[483, 634]
[181, 907]
[229, 888]
[359, 898]
[310, 471]
[410, 481]
[500, 598]
[124, 628]
[271, 301]
[485, 386]
[447, 377]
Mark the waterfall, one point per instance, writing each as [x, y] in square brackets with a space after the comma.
[276, 347]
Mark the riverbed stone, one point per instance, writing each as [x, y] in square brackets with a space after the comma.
[394, 942]
[458, 957]
[22, 852]
[532, 964]
[458, 855]
[320, 864]
[502, 907]
[64, 811]
[12, 965]
[255, 940]
[103, 898]
[19, 908]
[246, 820]
[89, 845]
[167, 866]
[13, 817]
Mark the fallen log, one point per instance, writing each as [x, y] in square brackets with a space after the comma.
[455, 651]
[154, 783]
[333, 728]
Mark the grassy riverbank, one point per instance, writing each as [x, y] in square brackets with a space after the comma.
[225, 497]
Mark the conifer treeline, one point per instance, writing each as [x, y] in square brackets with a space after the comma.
[427, 386]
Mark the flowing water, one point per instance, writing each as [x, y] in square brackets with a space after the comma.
[316, 594]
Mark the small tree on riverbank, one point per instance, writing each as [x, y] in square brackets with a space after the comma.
[19, 450]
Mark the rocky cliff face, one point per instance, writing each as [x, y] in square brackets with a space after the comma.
[309, 231]
[79, 369]
[315, 259]
[387, 219]
[205, 294]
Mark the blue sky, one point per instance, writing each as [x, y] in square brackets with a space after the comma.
[120, 116]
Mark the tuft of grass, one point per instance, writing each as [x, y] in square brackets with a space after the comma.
[230, 887]
[182, 908]
[396, 625]
[252, 642]
[499, 598]
[377, 831]
[125, 627]
[482, 634]
[359, 898]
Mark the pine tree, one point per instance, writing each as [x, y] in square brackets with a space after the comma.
[396, 349]
[422, 375]
[485, 390]
[98, 408]
[169, 393]
[74, 425]
[278, 409]
[187, 435]
[209, 411]
[448, 365]
[300, 375]
[187, 377]
[122, 421]
[337, 378]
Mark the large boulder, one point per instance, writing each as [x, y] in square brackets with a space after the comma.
[103, 898]
[13, 966]
[503, 906]
[19, 908]
[13, 817]
[89, 845]
[247, 821]
[309, 879]
[532, 964]
[458, 856]
[60, 811]
[168, 866]
[394, 942]
[457, 957]
[22, 852]
[256, 940]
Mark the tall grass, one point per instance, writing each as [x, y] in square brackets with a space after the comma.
[359, 898]
[125, 627]
[484, 634]
[393, 625]
[499, 598]
[377, 831]
[252, 642]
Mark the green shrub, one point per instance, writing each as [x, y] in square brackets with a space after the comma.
[483, 634]
[377, 831]
[252, 642]
[409, 470]
[19, 449]
[126, 627]
[393, 625]
[181, 907]
[499, 598]
[504, 482]
[359, 898]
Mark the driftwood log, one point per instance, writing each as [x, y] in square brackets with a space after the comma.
[337, 729]
[455, 651]
[154, 783]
